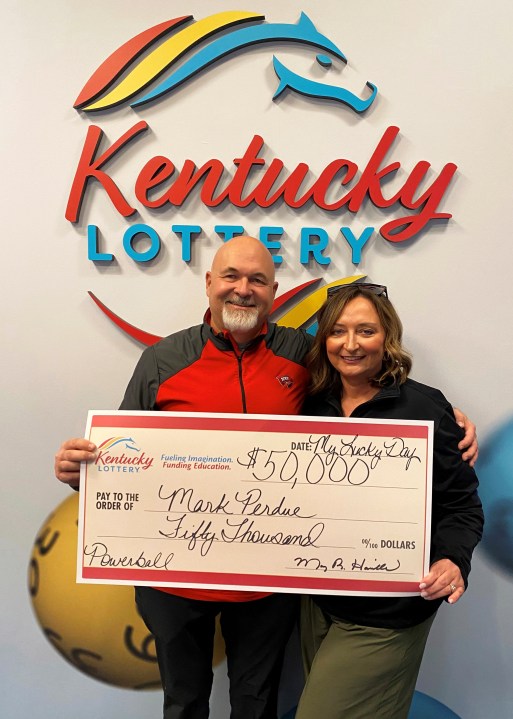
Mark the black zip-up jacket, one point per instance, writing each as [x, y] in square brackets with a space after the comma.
[457, 516]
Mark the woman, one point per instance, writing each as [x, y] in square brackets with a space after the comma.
[363, 654]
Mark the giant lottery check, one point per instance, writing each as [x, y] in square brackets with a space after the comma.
[295, 504]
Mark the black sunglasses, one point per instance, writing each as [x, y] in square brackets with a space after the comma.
[379, 290]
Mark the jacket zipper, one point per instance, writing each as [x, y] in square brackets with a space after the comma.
[241, 383]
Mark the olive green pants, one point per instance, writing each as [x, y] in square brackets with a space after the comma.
[357, 672]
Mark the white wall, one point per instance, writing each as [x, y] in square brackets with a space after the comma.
[443, 74]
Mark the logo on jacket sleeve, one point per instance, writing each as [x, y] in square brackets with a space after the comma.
[285, 380]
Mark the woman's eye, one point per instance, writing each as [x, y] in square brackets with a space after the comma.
[367, 332]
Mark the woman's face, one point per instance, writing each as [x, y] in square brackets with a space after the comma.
[356, 343]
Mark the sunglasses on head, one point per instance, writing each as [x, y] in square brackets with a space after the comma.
[379, 290]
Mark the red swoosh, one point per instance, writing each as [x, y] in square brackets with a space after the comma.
[148, 339]
[140, 335]
[279, 301]
[118, 61]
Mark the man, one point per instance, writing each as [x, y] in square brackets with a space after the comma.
[236, 361]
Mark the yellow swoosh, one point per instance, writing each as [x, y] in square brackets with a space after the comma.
[306, 309]
[167, 53]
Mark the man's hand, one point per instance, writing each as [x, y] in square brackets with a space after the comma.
[469, 441]
[68, 458]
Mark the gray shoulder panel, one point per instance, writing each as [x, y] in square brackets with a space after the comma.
[159, 362]
[289, 343]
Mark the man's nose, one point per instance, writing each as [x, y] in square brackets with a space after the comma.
[243, 287]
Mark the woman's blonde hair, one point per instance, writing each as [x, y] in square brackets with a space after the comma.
[397, 362]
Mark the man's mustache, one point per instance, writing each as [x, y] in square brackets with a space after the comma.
[240, 301]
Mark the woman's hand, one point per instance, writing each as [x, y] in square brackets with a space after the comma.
[443, 581]
[469, 441]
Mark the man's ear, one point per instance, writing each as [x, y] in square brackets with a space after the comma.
[208, 281]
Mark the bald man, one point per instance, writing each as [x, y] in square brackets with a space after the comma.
[235, 361]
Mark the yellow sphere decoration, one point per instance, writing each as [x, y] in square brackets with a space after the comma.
[96, 628]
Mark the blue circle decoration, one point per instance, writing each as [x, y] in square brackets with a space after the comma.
[495, 472]
[422, 707]
[425, 707]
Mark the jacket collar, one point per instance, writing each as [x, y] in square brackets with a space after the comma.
[224, 340]
[389, 391]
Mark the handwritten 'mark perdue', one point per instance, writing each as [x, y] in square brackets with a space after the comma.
[247, 503]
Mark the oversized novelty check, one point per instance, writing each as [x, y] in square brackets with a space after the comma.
[290, 504]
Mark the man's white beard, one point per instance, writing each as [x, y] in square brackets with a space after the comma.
[235, 320]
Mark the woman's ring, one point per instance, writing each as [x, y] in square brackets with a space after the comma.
[453, 587]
